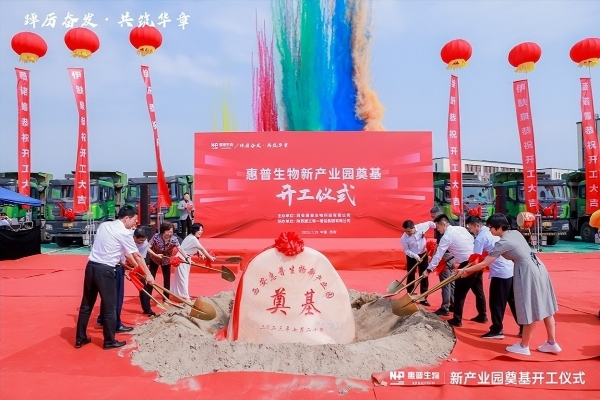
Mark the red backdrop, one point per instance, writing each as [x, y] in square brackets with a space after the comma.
[317, 184]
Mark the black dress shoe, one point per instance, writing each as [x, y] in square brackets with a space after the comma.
[124, 328]
[482, 319]
[453, 322]
[113, 345]
[442, 312]
[424, 303]
[79, 343]
[150, 313]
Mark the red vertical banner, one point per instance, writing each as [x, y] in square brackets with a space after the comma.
[164, 200]
[525, 126]
[454, 148]
[81, 196]
[23, 131]
[590, 145]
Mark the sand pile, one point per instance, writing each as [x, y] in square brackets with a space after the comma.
[177, 346]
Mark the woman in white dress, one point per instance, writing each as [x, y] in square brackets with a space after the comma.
[190, 246]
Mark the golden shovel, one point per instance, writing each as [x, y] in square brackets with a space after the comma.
[397, 285]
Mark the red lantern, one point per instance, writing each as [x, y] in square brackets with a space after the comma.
[29, 46]
[586, 52]
[456, 53]
[82, 42]
[524, 56]
[145, 39]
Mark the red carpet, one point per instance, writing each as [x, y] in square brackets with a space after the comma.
[40, 295]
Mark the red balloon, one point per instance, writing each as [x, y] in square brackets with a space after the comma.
[524, 56]
[586, 52]
[29, 46]
[145, 39]
[82, 42]
[456, 53]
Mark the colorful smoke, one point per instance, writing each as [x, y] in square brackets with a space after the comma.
[264, 99]
[323, 48]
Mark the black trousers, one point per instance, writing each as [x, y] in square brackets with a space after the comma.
[120, 282]
[99, 278]
[186, 226]
[473, 282]
[501, 293]
[153, 267]
[422, 266]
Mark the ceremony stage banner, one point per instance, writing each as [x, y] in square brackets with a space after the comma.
[317, 184]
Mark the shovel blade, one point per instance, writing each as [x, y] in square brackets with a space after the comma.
[227, 274]
[394, 287]
[402, 308]
[203, 311]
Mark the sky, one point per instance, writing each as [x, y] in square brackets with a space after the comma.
[209, 61]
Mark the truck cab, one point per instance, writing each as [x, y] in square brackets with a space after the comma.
[478, 195]
[63, 226]
[578, 219]
[177, 185]
[37, 185]
[553, 201]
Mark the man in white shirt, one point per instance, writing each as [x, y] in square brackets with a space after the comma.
[501, 275]
[186, 214]
[448, 263]
[459, 242]
[413, 242]
[112, 239]
[141, 242]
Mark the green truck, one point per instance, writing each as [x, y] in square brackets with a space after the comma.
[478, 196]
[106, 197]
[177, 185]
[38, 182]
[553, 201]
[579, 221]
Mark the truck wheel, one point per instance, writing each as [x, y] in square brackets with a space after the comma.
[587, 233]
[63, 242]
[551, 240]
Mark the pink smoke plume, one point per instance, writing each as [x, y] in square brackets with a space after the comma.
[368, 107]
[264, 100]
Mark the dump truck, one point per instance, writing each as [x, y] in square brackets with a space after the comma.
[553, 206]
[178, 185]
[579, 221]
[106, 197]
[477, 196]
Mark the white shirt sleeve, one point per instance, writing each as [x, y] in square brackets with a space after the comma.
[425, 226]
[127, 243]
[441, 250]
[407, 251]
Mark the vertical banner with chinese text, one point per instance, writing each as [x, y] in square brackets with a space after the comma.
[454, 148]
[164, 200]
[23, 131]
[81, 195]
[590, 145]
[525, 126]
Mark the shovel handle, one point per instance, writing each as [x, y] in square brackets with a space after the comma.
[156, 285]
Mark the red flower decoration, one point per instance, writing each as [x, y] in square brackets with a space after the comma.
[175, 262]
[289, 244]
[431, 246]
